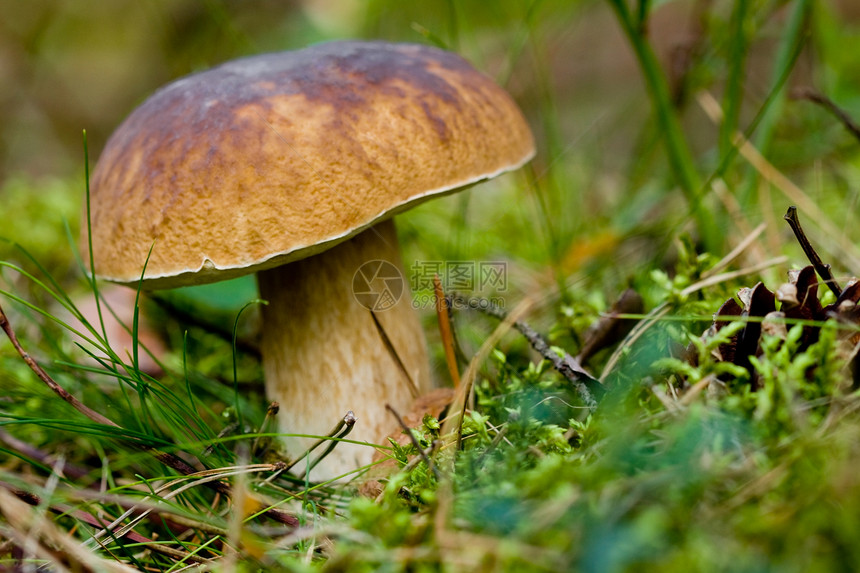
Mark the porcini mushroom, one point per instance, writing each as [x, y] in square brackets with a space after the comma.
[291, 165]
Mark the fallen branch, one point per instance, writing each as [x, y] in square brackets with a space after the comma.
[583, 382]
[819, 266]
[819, 98]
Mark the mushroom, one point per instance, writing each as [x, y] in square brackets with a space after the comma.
[291, 165]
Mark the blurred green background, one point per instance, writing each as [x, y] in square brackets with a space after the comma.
[70, 65]
[601, 198]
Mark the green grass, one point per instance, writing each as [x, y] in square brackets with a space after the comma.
[680, 467]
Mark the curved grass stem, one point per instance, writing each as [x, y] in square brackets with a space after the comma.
[675, 142]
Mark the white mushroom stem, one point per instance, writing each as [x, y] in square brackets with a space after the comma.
[324, 354]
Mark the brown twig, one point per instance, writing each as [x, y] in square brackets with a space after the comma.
[819, 266]
[165, 458]
[819, 98]
[584, 383]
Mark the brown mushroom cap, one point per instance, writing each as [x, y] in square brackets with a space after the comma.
[273, 158]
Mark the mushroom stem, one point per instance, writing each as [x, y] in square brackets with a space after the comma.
[325, 352]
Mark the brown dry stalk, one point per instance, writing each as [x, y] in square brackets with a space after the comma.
[442, 313]
[568, 366]
[823, 270]
[822, 100]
